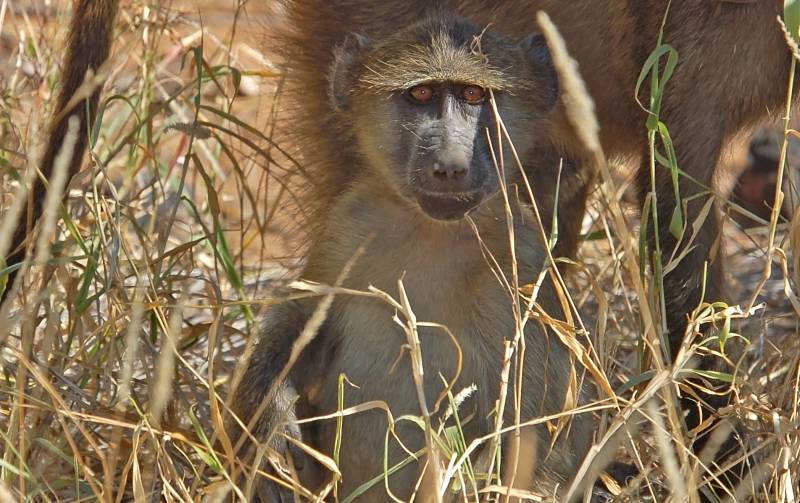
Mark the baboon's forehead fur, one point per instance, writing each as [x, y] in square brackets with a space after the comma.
[440, 50]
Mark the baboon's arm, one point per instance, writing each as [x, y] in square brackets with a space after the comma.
[274, 420]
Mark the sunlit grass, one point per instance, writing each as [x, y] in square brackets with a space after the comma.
[119, 347]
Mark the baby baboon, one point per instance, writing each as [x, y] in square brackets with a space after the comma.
[416, 129]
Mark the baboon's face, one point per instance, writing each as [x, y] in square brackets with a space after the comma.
[435, 147]
[427, 111]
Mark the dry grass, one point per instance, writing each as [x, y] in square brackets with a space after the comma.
[118, 351]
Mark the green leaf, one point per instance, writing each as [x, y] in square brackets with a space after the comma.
[724, 334]
[101, 110]
[791, 17]
[714, 375]
[593, 236]
[206, 455]
[635, 381]
[83, 300]
[657, 82]
[676, 222]
[3, 277]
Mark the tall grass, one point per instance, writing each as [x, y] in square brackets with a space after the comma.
[119, 349]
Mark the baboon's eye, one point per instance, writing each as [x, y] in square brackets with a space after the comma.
[473, 94]
[422, 93]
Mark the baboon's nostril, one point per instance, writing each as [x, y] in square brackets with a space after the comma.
[444, 171]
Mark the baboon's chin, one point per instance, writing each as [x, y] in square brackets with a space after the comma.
[443, 206]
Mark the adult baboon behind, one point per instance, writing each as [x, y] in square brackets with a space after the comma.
[732, 72]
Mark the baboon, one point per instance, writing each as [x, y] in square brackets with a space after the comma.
[733, 68]
[416, 127]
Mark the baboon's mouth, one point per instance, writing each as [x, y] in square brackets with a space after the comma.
[448, 205]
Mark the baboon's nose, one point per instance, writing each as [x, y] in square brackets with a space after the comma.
[449, 171]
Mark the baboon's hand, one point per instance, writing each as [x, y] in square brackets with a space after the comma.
[286, 458]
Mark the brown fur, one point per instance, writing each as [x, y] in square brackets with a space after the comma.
[732, 72]
[443, 266]
[87, 48]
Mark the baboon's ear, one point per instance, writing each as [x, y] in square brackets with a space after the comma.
[535, 48]
[341, 75]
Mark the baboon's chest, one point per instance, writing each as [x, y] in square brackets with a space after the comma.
[463, 313]
[369, 339]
